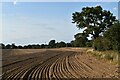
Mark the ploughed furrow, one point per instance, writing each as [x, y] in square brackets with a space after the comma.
[9, 72]
[81, 69]
[44, 71]
[37, 72]
[19, 61]
[56, 63]
[60, 69]
[72, 66]
[56, 70]
[12, 75]
[17, 73]
[68, 68]
[65, 70]
[86, 69]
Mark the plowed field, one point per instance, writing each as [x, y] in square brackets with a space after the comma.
[38, 64]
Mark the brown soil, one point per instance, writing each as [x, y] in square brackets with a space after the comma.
[38, 64]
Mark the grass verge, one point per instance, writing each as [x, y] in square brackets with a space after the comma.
[111, 56]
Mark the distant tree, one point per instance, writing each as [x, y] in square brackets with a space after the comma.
[34, 46]
[80, 40]
[68, 45]
[8, 46]
[62, 44]
[94, 20]
[38, 46]
[52, 44]
[29, 46]
[13, 46]
[20, 47]
[42, 46]
[25, 47]
[2, 46]
[72, 43]
[57, 45]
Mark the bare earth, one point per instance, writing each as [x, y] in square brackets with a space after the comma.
[38, 64]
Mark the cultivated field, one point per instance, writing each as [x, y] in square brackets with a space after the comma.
[38, 64]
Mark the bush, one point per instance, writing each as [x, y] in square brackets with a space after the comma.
[89, 43]
[113, 35]
[101, 44]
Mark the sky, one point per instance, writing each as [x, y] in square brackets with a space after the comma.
[39, 22]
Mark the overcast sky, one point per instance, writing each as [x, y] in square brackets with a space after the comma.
[38, 22]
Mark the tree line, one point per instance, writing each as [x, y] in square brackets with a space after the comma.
[51, 44]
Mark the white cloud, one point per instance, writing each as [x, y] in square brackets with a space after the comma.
[114, 8]
[93, 5]
[14, 2]
[98, 5]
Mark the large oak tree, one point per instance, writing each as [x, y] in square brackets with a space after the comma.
[94, 20]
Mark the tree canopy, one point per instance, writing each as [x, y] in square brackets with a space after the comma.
[52, 43]
[80, 40]
[94, 20]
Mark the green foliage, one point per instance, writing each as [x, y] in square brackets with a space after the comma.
[20, 47]
[52, 44]
[79, 43]
[61, 44]
[2, 46]
[8, 46]
[68, 45]
[94, 20]
[113, 34]
[89, 43]
[13, 46]
[102, 44]
[72, 43]
[80, 40]
[42, 45]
